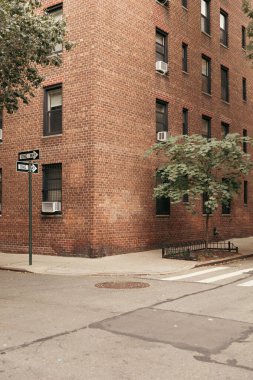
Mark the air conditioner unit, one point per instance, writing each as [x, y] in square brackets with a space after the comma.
[161, 67]
[51, 207]
[163, 2]
[1, 134]
[162, 136]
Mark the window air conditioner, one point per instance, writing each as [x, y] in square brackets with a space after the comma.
[51, 207]
[161, 67]
[162, 136]
[1, 134]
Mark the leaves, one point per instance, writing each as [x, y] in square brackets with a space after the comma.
[194, 165]
[27, 39]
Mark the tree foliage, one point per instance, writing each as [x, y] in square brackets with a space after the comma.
[194, 165]
[27, 39]
[248, 10]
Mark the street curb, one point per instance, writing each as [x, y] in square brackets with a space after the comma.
[21, 270]
[224, 260]
[130, 274]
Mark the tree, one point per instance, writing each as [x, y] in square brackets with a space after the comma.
[196, 166]
[247, 8]
[27, 41]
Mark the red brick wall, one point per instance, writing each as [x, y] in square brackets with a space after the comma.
[109, 93]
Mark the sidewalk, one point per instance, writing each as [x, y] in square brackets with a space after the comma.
[140, 263]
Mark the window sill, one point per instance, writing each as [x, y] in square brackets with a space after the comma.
[207, 94]
[45, 215]
[184, 8]
[225, 102]
[163, 75]
[162, 216]
[224, 46]
[226, 215]
[206, 34]
[185, 72]
[50, 136]
[245, 101]
[207, 214]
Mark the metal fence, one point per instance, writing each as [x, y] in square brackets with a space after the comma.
[186, 250]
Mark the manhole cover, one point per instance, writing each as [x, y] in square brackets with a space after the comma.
[122, 285]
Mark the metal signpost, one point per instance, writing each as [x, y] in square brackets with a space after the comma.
[30, 168]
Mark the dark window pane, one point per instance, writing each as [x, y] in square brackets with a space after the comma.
[162, 204]
[53, 111]
[224, 129]
[185, 3]
[206, 127]
[244, 144]
[245, 192]
[205, 16]
[224, 84]
[52, 183]
[244, 89]
[206, 74]
[184, 57]
[161, 116]
[185, 121]
[224, 28]
[161, 49]
[243, 37]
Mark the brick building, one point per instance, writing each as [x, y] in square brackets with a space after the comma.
[96, 116]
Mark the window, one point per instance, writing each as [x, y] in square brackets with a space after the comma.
[185, 121]
[243, 37]
[205, 16]
[57, 13]
[52, 183]
[244, 89]
[163, 2]
[245, 192]
[223, 28]
[224, 129]
[161, 46]
[162, 204]
[185, 3]
[1, 196]
[224, 83]
[206, 127]
[161, 116]
[244, 144]
[53, 111]
[1, 126]
[206, 74]
[184, 57]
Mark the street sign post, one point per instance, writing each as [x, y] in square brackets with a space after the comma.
[30, 168]
[29, 155]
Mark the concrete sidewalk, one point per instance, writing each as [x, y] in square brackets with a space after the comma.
[140, 263]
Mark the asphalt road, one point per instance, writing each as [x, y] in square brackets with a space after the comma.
[192, 325]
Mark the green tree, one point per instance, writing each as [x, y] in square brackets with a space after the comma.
[248, 10]
[196, 166]
[27, 41]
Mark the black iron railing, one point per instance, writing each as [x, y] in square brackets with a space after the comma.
[186, 250]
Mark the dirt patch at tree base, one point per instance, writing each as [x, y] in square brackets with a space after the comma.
[215, 255]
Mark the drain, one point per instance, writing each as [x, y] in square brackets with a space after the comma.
[122, 285]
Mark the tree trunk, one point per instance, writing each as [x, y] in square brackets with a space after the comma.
[206, 232]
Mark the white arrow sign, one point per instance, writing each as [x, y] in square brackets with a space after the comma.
[29, 155]
[24, 167]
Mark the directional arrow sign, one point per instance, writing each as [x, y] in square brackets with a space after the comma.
[24, 167]
[29, 155]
